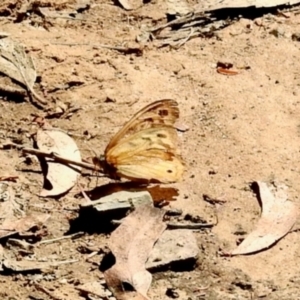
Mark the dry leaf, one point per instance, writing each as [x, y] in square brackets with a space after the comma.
[279, 215]
[17, 65]
[13, 218]
[13, 225]
[131, 4]
[131, 244]
[61, 178]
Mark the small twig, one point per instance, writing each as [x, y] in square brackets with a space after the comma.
[126, 50]
[65, 262]
[12, 90]
[176, 226]
[213, 201]
[71, 236]
[59, 159]
[294, 230]
[173, 212]
[4, 34]
[71, 44]
[11, 145]
[9, 178]
[94, 253]
[194, 226]
[86, 197]
[182, 20]
[46, 291]
[203, 288]
[89, 203]
[36, 96]
[177, 46]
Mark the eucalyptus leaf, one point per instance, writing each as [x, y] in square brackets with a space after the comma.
[18, 65]
[15, 63]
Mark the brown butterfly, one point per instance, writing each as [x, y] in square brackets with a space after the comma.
[145, 148]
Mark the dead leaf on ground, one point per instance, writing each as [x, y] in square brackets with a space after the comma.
[14, 220]
[131, 4]
[17, 65]
[14, 225]
[279, 215]
[131, 244]
[59, 178]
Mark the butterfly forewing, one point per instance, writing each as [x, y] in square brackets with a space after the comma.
[158, 137]
[159, 112]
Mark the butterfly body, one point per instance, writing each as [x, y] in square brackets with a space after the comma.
[145, 148]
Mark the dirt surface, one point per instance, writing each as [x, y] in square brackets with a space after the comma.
[242, 128]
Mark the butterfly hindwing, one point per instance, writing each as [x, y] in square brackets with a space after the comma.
[149, 154]
[155, 169]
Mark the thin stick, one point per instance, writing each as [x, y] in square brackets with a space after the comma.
[12, 90]
[194, 226]
[176, 226]
[71, 236]
[91, 255]
[59, 159]
[99, 46]
[46, 291]
[177, 46]
[120, 49]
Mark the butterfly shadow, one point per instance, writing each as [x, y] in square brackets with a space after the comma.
[92, 221]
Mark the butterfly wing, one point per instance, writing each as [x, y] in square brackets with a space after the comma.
[159, 112]
[149, 154]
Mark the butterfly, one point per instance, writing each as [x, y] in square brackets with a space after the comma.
[144, 149]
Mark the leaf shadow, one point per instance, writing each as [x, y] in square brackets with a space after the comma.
[92, 221]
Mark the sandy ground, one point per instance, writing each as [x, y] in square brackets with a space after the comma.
[242, 128]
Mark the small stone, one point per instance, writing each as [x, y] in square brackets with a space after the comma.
[172, 293]
[296, 37]
[278, 32]
[94, 288]
[173, 246]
